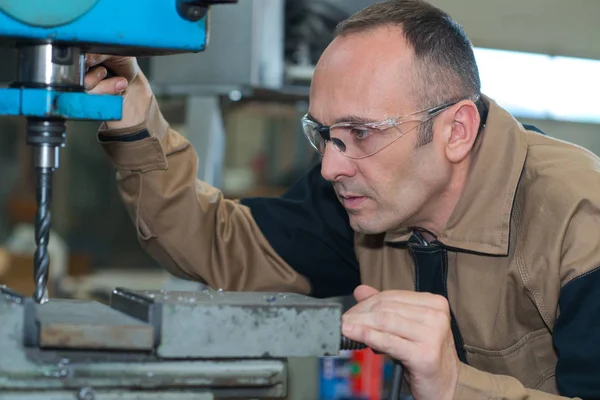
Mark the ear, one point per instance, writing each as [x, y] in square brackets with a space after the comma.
[462, 132]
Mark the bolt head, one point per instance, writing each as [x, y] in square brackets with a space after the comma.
[86, 393]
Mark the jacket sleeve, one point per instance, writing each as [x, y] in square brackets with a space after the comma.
[474, 384]
[195, 233]
[576, 335]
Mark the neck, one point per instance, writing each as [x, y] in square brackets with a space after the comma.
[439, 210]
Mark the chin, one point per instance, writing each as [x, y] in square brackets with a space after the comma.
[366, 227]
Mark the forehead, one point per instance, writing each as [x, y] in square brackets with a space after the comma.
[365, 74]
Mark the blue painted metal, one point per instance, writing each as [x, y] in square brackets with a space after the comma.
[138, 26]
[70, 105]
[10, 102]
[89, 106]
[150, 24]
[46, 13]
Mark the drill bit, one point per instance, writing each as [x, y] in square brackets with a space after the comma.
[42, 231]
[46, 135]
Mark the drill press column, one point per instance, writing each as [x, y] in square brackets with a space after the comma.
[59, 69]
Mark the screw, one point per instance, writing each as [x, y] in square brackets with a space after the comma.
[195, 13]
[270, 299]
[192, 12]
[86, 393]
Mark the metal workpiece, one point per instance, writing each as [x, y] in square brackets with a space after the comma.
[215, 324]
[75, 324]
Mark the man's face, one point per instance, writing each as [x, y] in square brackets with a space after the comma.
[368, 75]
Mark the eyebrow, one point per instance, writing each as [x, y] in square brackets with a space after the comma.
[355, 119]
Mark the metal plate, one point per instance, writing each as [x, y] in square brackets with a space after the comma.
[90, 325]
[212, 324]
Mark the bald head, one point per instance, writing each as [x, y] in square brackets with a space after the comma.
[444, 66]
[365, 74]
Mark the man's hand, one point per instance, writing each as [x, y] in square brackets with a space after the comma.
[125, 68]
[413, 328]
[129, 82]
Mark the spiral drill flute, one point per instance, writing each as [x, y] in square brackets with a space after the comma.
[42, 231]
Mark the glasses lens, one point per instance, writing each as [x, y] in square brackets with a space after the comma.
[313, 135]
[354, 140]
[359, 141]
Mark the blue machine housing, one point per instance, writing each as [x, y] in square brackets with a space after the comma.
[128, 27]
[51, 103]
[120, 27]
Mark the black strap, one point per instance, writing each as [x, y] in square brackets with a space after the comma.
[431, 275]
[129, 137]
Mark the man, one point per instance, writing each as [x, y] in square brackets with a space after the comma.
[474, 237]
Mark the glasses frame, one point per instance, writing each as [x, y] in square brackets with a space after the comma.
[420, 116]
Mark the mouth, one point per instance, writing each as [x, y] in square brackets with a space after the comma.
[352, 202]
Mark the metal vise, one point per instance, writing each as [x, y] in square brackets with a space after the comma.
[160, 345]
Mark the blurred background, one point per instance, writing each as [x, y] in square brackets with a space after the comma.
[240, 103]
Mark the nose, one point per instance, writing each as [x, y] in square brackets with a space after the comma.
[335, 165]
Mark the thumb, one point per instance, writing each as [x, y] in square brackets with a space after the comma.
[363, 292]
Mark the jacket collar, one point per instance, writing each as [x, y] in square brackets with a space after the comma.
[481, 220]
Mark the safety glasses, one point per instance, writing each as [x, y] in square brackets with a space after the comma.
[360, 140]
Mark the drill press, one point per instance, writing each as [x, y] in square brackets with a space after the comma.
[52, 37]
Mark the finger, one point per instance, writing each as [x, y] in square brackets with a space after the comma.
[389, 322]
[363, 292]
[93, 77]
[421, 314]
[401, 296]
[397, 347]
[430, 300]
[91, 60]
[114, 85]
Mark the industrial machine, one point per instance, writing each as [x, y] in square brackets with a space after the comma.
[52, 37]
[143, 345]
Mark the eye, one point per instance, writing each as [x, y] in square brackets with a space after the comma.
[360, 132]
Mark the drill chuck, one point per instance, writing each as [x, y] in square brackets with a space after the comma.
[46, 136]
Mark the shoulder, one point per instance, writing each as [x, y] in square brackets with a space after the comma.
[559, 200]
[559, 174]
